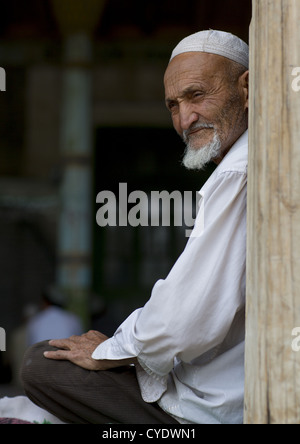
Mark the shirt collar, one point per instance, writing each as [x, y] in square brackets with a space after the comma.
[235, 160]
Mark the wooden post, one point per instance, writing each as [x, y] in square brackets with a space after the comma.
[77, 21]
[272, 366]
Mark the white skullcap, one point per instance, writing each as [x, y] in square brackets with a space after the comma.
[215, 42]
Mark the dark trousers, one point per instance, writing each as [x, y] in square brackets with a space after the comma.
[80, 396]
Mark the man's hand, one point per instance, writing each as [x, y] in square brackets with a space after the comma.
[79, 350]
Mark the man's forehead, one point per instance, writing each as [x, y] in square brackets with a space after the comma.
[194, 67]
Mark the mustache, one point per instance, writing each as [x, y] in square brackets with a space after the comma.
[194, 127]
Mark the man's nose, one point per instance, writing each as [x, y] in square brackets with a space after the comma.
[187, 116]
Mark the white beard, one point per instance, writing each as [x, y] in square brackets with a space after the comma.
[197, 159]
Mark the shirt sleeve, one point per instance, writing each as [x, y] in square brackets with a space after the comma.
[191, 311]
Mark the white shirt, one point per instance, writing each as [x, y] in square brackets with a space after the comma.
[189, 337]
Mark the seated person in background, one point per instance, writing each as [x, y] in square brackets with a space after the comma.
[53, 321]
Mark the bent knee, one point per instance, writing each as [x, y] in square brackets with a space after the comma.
[33, 363]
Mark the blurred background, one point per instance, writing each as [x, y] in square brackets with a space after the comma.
[82, 112]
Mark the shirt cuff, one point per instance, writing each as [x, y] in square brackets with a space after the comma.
[152, 386]
[111, 350]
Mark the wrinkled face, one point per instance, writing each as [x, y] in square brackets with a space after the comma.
[208, 107]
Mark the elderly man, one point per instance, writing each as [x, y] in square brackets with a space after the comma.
[180, 358]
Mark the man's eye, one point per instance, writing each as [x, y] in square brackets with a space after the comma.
[197, 94]
[172, 106]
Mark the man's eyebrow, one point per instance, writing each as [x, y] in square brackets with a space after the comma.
[186, 92]
[191, 89]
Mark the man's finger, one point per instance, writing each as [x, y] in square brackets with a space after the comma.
[60, 343]
[59, 355]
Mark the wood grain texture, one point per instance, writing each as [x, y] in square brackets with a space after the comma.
[272, 368]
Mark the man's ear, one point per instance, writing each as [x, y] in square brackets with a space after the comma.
[244, 86]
